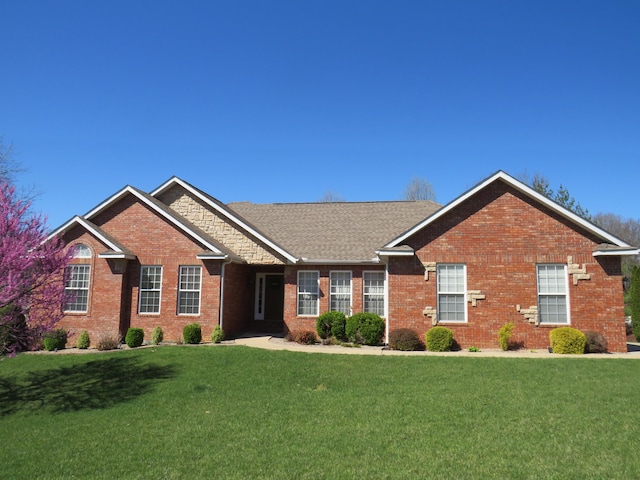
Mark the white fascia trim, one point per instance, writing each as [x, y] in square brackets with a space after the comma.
[212, 256]
[518, 185]
[395, 253]
[164, 214]
[319, 261]
[223, 212]
[619, 253]
[85, 225]
[126, 256]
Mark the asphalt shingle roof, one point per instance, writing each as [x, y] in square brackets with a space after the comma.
[334, 231]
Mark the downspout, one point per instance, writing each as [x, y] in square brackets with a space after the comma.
[386, 303]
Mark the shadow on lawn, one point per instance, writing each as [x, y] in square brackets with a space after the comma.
[93, 385]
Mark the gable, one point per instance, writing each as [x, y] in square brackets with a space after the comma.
[477, 196]
[237, 239]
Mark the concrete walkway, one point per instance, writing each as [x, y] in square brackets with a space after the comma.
[268, 342]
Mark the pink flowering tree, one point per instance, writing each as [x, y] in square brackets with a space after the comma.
[31, 274]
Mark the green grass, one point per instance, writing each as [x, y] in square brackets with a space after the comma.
[236, 412]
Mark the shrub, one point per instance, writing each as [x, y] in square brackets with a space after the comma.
[567, 340]
[405, 339]
[107, 342]
[134, 337]
[13, 331]
[217, 335]
[192, 333]
[55, 340]
[505, 334]
[474, 349]
[365, 328]
[439, 339]
[596, 343]
[306, 337]
[331, 324]
[157, 336]
[83, 341]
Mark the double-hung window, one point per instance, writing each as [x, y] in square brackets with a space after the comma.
[452, 305]
[552, 294]
[189, 290]
[308, 293]
[76, 288]
[373, 292]
[340, 292]
[150, 289]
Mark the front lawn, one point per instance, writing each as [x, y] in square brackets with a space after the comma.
[237, 412]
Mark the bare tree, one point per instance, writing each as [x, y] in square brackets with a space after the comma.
[330, 197]
[419, 189]
[9, 167]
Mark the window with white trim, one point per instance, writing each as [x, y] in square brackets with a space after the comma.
[308, 293]
[150, 289]
[76, 288]
[80, 250]
[452, 305]
[340, 292]
[552, 294]
[373, 292]
[189, 290]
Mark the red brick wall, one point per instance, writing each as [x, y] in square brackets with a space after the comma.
[238, 298]
[500, 236]
[155, 242]
[293, 322]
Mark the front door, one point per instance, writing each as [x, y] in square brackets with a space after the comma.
[269, 295]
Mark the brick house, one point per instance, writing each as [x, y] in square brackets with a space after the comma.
[500, 252]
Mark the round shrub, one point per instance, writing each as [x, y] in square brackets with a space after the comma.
[217, 335]
[405, 339]
[134, 337]
[305, 337]
[157, 335]
[567, 340]
[596, 343]
[327, 322]
[439, 339]
[55, 340]
[365, 328]
[192, 333]
[83, 341]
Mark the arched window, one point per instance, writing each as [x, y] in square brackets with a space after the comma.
[80, 250]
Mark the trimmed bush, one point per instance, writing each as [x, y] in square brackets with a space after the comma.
[596, 343]
[83, 341]
[567, 340]
[192, 333]
[217, 335]
[365, 328]
[55, 340]
[405, 339]
[157, 336]
[107, 342]
[305, 337]
[505, 334]
[331, 324]
[134, 337]
[439, 339]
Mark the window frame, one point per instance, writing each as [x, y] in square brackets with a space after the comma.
[142, 291]
[565, 295]
[333, 295]
[182, 290]
[70, 277]
[299, 293]
[366, 295]
[451, 293]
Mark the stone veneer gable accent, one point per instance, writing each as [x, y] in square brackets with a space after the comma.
[236, 240]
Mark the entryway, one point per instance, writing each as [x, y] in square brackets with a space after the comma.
[269, 297]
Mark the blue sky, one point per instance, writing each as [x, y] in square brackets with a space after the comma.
[282, 101]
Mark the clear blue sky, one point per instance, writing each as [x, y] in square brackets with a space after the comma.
[282, 101]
